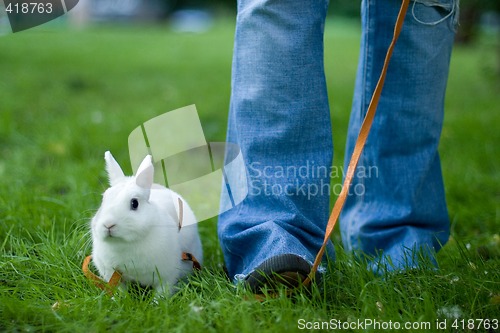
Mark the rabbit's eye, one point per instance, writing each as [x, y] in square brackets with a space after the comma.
[134, 204]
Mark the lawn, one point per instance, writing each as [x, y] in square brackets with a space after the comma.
[67, 96]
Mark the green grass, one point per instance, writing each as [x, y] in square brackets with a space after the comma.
[67, 96]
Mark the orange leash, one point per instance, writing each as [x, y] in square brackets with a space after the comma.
[116, 278]
[360, 142]
[98, 282]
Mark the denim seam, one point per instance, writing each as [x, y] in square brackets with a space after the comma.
[368, 70]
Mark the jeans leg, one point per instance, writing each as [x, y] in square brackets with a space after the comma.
[400, 204]
[279, 116]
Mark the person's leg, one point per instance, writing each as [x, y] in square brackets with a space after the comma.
[279, 116]
[398, 201]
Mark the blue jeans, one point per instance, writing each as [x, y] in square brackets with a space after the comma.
[279, 116]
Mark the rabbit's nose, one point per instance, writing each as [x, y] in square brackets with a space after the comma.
[109, 228]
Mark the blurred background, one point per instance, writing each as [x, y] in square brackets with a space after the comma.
[197, 15]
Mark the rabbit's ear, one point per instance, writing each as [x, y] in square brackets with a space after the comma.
[145, 173]
[115, 173]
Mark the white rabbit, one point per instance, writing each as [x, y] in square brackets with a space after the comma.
[137, 231]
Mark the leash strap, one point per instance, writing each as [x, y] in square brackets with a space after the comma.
[116, 278]
[186, 256]
[98, 282]
[360, 142]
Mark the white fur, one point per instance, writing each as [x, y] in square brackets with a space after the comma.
[145, 245]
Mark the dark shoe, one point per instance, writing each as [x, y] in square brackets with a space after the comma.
[287, 270]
